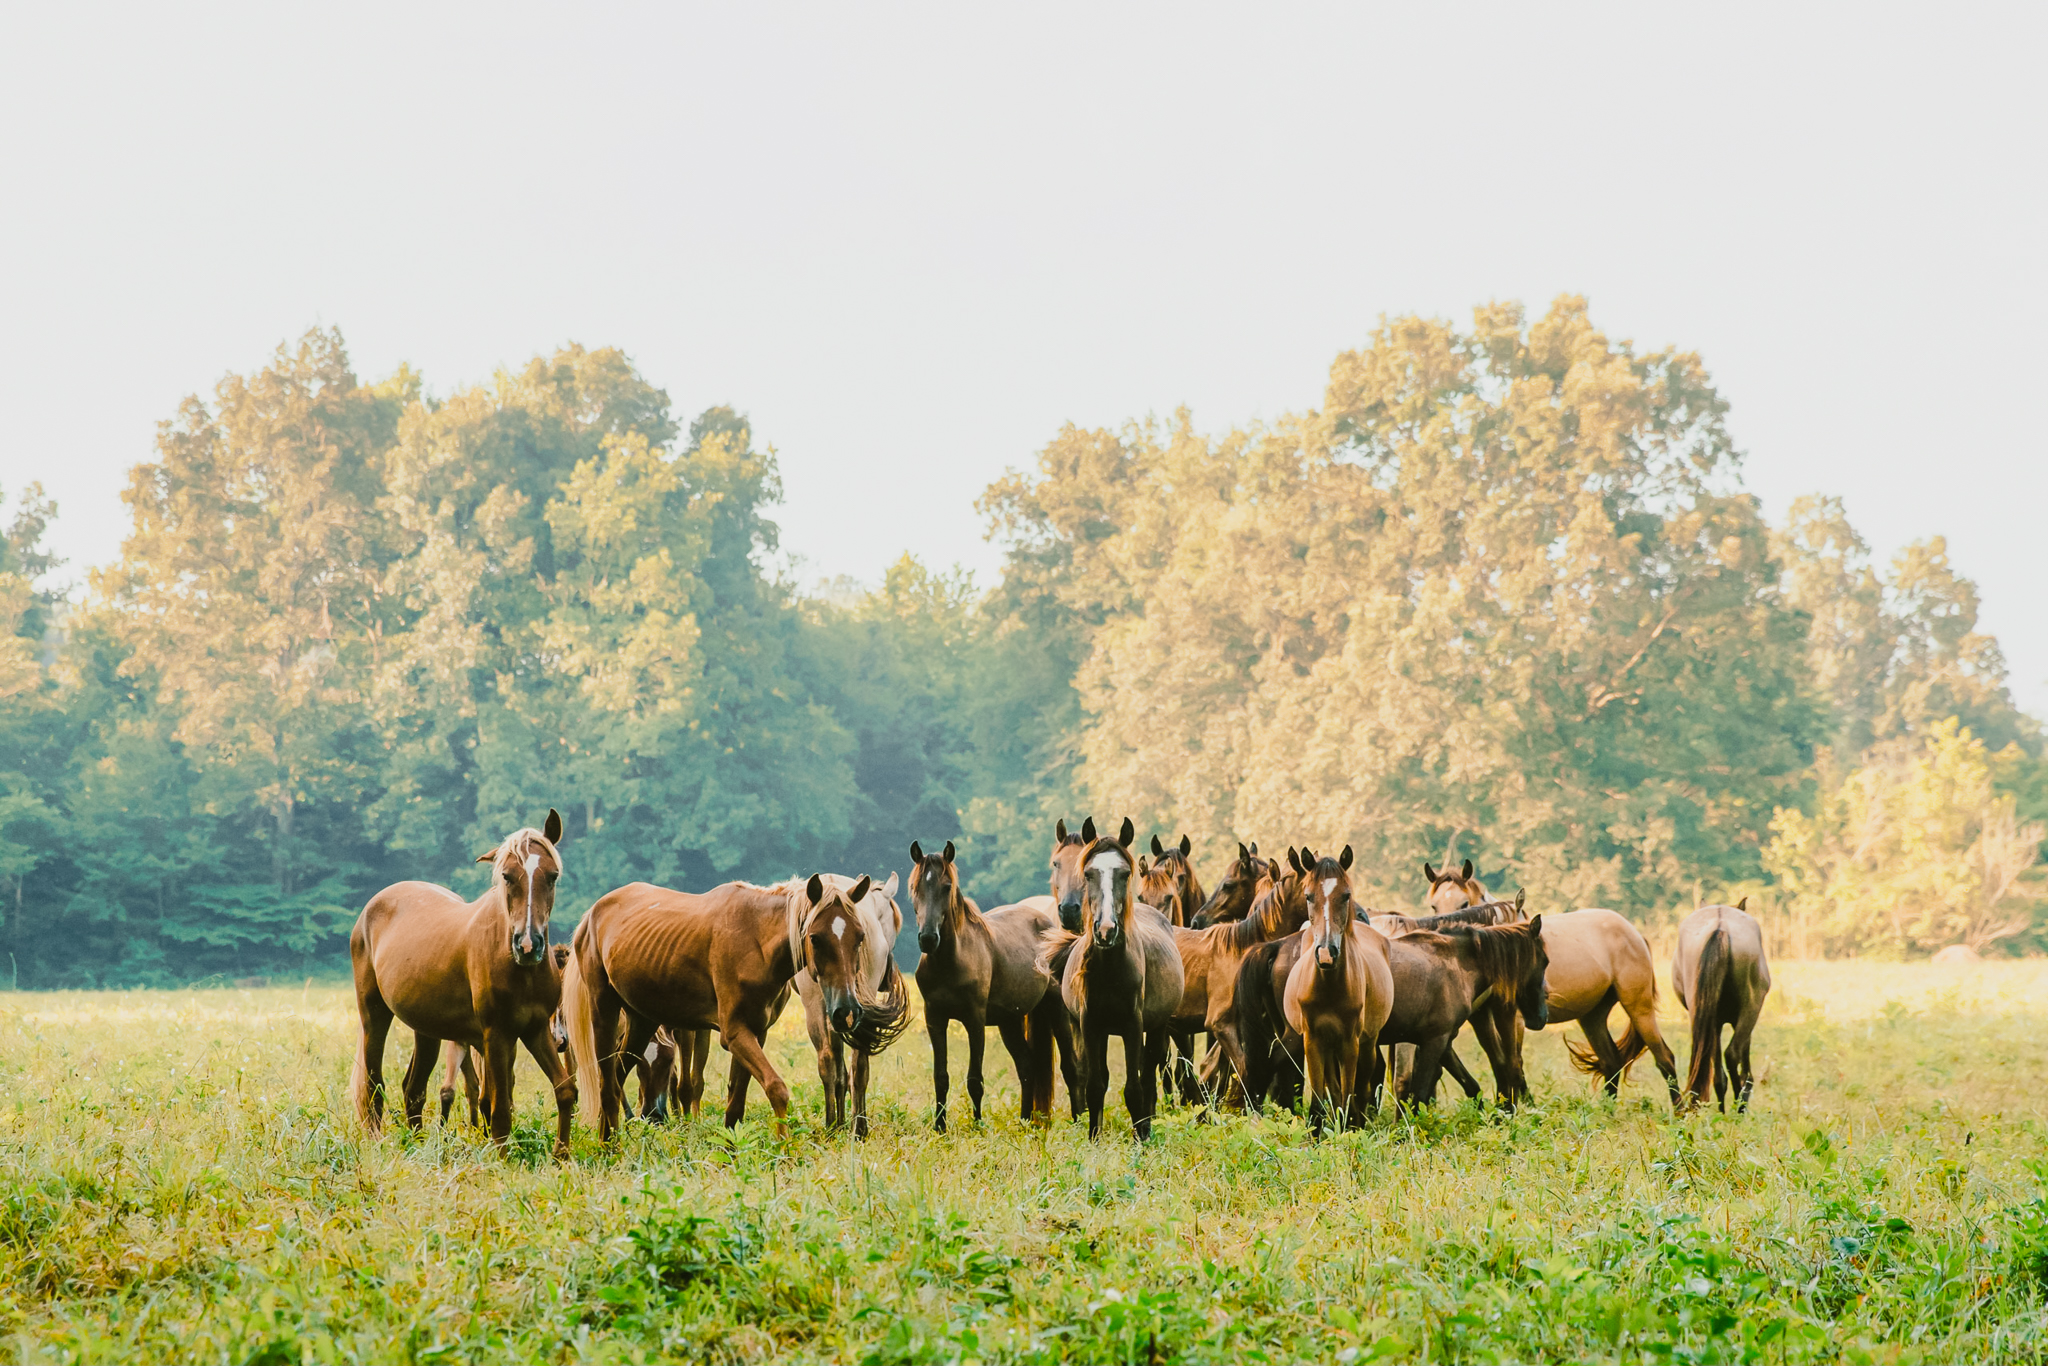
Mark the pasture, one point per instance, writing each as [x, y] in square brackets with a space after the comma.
[181, 1178]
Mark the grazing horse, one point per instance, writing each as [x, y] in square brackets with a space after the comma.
[722, 960]
[1597, 961]
[1169, 883]
[1721, 976]
[477, 974]
[1122, 976]
[878, 921]
[982, 969]
[1340, 991]
[1233, 897]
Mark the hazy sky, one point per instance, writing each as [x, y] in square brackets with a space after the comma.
[909, 243]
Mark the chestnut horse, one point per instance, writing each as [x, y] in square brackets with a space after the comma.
[1340, 991]
[1168, 883]
[1233, 897]
[1449, 889]
[1721, 975]
[1209, 960]
[1122, 976]
[476, 973]
[982, 969]
[722, 960]
[460, 1061]
[878, 921]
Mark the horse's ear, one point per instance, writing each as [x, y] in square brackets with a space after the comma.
[889, 887]
[815, 889]
[1344, 859]
[1144, 865]
[1255, 848]
[1244, 855]
[1521, 898]
[1187, 846]
[1126, 833]
[1429, 872]
[1467, 874]
[488, 856]
[1088, 830]
[553, 829]
[859, 891]
[916, 852]
[1293, 859]
[1743, 905]
[1059, 830]
[1157, 847]
[1536, 927]
[949, 851]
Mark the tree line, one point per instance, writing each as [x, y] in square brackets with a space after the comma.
[1502, 597]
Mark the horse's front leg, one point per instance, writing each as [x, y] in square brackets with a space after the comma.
[935, 1030]
[749, 1056]
[860, 1093]
[499, 1050]
[1095, 1065]
[1141, 1079]
[977, 1041]
[541, 1045]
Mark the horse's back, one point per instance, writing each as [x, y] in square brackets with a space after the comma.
[1016, 983]
[1593, 951]
[1745, 946]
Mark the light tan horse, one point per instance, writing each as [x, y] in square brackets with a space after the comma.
[1340, 992]
[722, 960]
[879, 921]
[1721, 975]
[1122, 976]
[474, 973]
[1450, 889]
[1598, 961]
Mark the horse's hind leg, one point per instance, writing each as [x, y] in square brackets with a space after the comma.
[368, 1081]
[1140, 1078]
[1018, 1044]
[1072, 1059]
[413, 1088]
[1456, 1066]
[453, 1056]
[1606, 1056]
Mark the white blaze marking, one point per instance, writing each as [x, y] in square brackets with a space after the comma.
[532, 862]
[1329, 885]
[839, 927]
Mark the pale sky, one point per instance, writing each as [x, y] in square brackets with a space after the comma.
[910, 242]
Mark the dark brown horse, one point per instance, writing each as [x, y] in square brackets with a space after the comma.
[1209, 962]
[1721, 976]
[477, 973]
[1121, 976]
[1493, 1024]
[722, 960]
[982, 969]
[1339, 993]
[1233, 897]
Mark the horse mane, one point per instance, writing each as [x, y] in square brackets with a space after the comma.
[1503, 953]
[1485, 913]
[1262, 921]
[517, 844]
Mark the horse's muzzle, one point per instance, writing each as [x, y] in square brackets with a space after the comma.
[1113, 940]
[928, 942]
[530, 954]
[847, 1019]
[1328, 956]
[1070, 916]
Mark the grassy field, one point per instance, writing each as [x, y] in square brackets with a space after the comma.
[181, 1179]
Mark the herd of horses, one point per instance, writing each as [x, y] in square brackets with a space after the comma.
[1304, 996]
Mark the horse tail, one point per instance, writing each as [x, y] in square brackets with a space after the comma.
[359, 1084]
[1630, 1046]
[1256, 1035]
[578, 1022]
[1708, 984]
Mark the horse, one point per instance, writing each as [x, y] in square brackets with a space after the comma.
[1340, 991]
[1449, 975]
[478, 973]
[461, 1061]
[878, 921]
[982, 968]
[1121, 977]
[1168, 882]
[1721, 976]
[1209, 961]
[1450, 890]
[721, 960]
[1597, 961]
[1233, 897]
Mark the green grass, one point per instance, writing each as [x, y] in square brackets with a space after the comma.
[180, 1179]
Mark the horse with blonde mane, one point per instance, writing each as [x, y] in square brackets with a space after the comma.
[473, 973]
[721, 960]
[879, 921]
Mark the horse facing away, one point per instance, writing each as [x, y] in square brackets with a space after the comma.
[477, 974]
[1340, 991]
[1122, 976]
[722, 960]
[982, 968]
[879, 921]
[1721, 976]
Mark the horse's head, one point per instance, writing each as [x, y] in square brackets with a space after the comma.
[1533, 994]
[1326, 888]
[525, 868]
[1514, 963]
[1066, 870]
[934, 891]
[1452, 889]
[831, 932]
[1107, 866]
[1233, 896]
